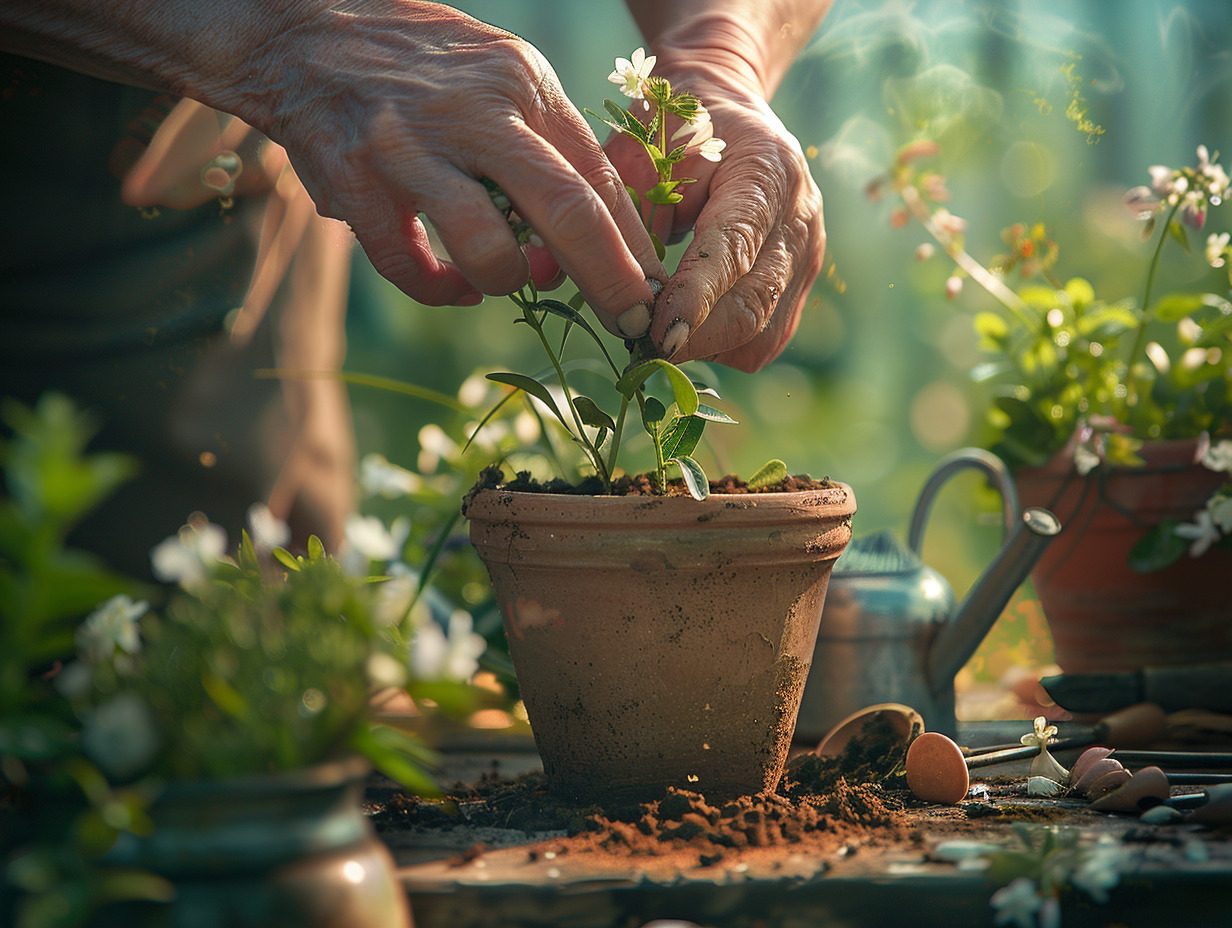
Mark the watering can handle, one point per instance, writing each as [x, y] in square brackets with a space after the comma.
[974, 458]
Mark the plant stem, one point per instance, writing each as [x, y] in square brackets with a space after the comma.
[616, 434]
[1144, 315]
[976, 271]
[591, 451]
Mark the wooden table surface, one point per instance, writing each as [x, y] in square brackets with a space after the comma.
[1179, 874]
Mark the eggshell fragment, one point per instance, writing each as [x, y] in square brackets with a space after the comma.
[1114, 779]
[1085, 760]
[936, 771]
[1146, 788]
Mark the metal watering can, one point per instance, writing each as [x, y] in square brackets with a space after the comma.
[890, 631]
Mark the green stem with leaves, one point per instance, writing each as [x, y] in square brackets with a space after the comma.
[1144, 316]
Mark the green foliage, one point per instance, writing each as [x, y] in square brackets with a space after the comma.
[58, 814]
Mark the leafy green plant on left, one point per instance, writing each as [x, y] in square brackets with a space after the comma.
[58, 813]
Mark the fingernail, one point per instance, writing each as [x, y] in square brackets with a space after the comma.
[676, 336]
[470, 299]
[634, 322]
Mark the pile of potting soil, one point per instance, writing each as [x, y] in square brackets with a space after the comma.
[821, 803]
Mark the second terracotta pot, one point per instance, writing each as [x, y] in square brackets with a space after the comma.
[661, 641]
[1104, 616]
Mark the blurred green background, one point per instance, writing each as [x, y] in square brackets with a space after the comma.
[876, 386]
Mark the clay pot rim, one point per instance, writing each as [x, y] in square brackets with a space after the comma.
[488, 503]
[1168, 453]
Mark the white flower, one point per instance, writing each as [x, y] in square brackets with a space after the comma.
[378, 477]
[266, 529]
[435, 445]
[924, 251]
[1216, 248]
[1044, 764]
[1017, 903]
[395, 595]
[947, 223]
[1216, 176]
[1085, 460]
[1202, 532]
[1099, 871]
[385, 670]
[1220, 508]
[632, 73]
[435, 656]
[119, 736]
[699, 137]
[111, 628]
[1219, 456]
[367, 539]
[953, 286]
[187, 557]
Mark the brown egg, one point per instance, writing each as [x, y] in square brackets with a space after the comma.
[936, 771]
[1085, 760]
[1146, 788]
[1100, 786]
[1094, 771]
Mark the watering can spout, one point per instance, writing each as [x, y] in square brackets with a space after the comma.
[958, 639]
[1029, 535]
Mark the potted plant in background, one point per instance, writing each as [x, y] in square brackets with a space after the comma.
[234, 719]
[661, 634]
[1114, 413]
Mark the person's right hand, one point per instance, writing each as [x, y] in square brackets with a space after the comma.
[398, 107]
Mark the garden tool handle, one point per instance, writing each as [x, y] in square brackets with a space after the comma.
[964, 458]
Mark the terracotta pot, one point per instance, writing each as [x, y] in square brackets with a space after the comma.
[661, 641]
[283, 849]
[1104, 616]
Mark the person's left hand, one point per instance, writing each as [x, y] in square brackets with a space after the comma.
[759, 238]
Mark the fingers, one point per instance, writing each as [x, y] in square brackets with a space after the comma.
[758, 248]
[397, 245]
[570, 194]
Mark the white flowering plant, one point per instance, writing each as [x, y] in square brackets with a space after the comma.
[1098, 375]
[260, 660]
[58, 812]
[674, 425]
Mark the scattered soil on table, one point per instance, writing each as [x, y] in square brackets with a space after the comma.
[821, 804]
[492, 477]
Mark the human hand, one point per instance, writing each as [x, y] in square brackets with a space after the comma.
[759, 238]
[400, 107]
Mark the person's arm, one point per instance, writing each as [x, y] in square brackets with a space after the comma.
[759, 238]
[387, 108]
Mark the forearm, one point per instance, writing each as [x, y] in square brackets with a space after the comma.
[755, 40]
[208, 51]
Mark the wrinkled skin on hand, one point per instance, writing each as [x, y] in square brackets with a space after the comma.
[396, 108]
[759, 237]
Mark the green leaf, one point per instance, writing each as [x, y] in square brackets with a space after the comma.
[286, 559]
[682, 387]
[772, 472]
[387, 750]
[592, 415]
[573, 315]
[316, 550]
[652, 413]
[694, 476]
[683, 436]
[635, 197]
[1176, 306]
[1177, 231]
[533, 387]
[992, 328]
[664, 193]
[623, 121]
[1158, 548]
[659, 247]
[710, 414]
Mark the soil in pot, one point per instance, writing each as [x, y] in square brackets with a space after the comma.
[661, 641]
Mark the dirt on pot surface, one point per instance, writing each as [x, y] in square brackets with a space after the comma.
[492, 477]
